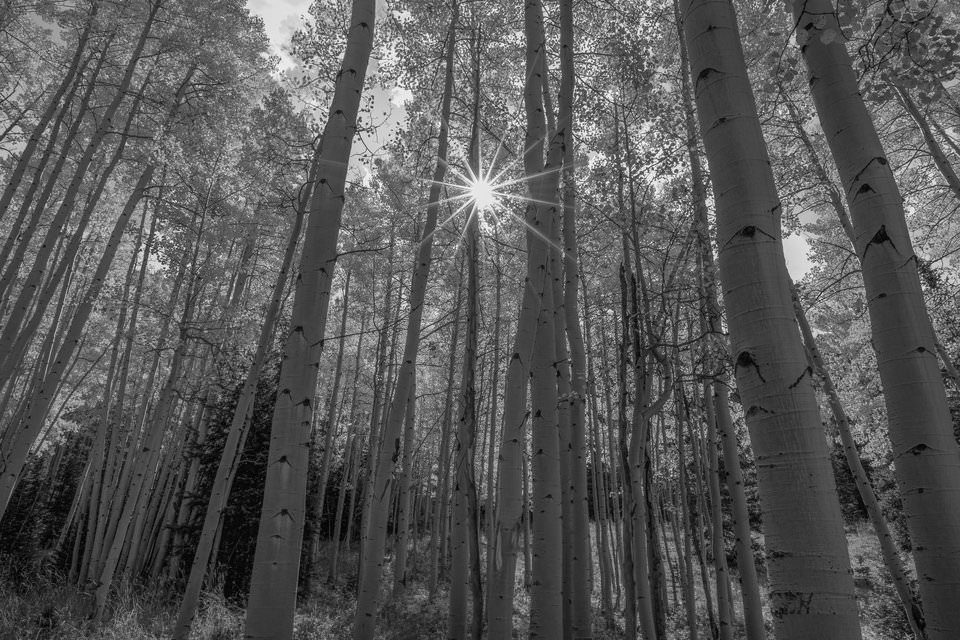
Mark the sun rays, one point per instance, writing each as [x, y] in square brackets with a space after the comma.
[483, 195]
[492, 193]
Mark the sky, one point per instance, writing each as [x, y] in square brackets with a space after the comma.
[282, 17]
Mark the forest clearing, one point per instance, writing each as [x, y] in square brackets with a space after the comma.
[449, 319]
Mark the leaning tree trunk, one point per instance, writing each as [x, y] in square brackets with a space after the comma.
[888, 545]
[273, 583]
[711, 317]
[581, 565]
[463, 526]
[71, 77]
[811, 585]
[375, 537]
[328, 440]
[933, 146]
[233, 446]
[546, 601]
[925, 454]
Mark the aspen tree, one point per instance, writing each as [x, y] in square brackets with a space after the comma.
[925, 454]
[349, 472]
[940, 159]
[811, 587]
[441, 503]
[463, 528]
[509, 525]
[71, 78]
[546, 601]
[888, 546]
[27, 199]
[351, 463]
[273, 584]
[144, 462]
[493, 418]
[20, 235]
[721, 572]
[689, 597]
[381, 388]
[328, 439]
[34, 276]
[837, 204]
[40, 406]
[374, 540]
[711, 321]
[581, 579]
[404, 498]
[236, 436]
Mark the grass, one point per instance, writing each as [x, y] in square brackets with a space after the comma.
[46, 609]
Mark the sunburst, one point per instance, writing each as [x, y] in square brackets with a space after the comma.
[483, 194]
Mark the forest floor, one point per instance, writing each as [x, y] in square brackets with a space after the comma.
[46, 609]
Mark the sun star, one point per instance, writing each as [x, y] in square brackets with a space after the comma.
[483, 194]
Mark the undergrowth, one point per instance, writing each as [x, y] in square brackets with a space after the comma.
[43, 608]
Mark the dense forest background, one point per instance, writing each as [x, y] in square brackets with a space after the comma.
[473, 318]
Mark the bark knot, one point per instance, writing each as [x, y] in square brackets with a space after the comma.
[746, 359]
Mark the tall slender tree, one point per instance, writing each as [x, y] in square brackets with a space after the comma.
[811, 588]
[273, 585]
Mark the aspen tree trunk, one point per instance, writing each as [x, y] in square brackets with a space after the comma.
[39, 408]
[700, 524]
[351, 463]
[39, 296]
[374, 540]
[381, 399]
[733, 478]
[35, 275]
[331, 426]
[438, 535]
[837, 202]
[28, 197]
[954, 146]
[93, 553]
[721, 573]
[72, 77]
[98, 457]
[752, 607]
[936, 151]
[627, 566]
[811, 587]
[546, 600]
[463, 527]
[635, 453]
[689, 596]
[492, 421]
[601, 492]
[511, 487]
[236, 438]
[144, 464]
[11, 266]
[345, 485]
[926, 455]
[711, 321]
[888, 545]
[581, 578]
[406, 477]
[273, 584]
[186, 496]
[614, 485]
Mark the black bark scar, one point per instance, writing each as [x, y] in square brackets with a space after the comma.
[807, 370]
[879, 237]
[879, 160]
[745, 359]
